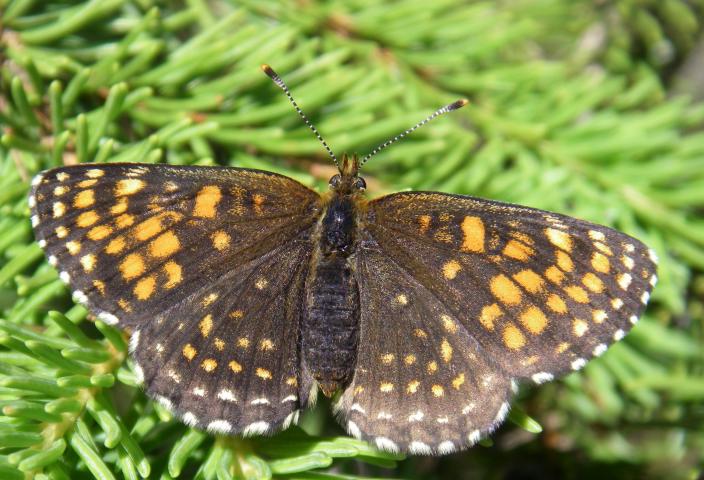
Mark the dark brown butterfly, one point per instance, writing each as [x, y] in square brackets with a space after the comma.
[246, 292]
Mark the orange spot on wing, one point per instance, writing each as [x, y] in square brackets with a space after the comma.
[115, 246]
[593, 283]
[559, 238]
[432, 367]
[448, 323]
[489, 314]
[600, 263]
[555, 275]
[148, 228]
[164, 245]
[513, 338]
[99, 286]
[132, 266]
[207, 200]
[472, 235]
[450, 269]
[505, 290]
[124, 220]
[189, 352]
[419, 333]
[86, 219]
[88, 262]
[58, 209]
[100, 232]
[173, 274]
[128, 186]
[603, 248]
[119, 207]
[518, 250]
[556, 304]
[598, 316]
[125, 305]
[206, 325]
[221, 240]
[534, 319]
[446, 350]
[86, 183]
[424, 223]
[84, 199]
[234, 366]
[209, 364]
[578, 294]
[564, 261]
[73, 247]
[258, 201]
[529, 280]
[145, 287]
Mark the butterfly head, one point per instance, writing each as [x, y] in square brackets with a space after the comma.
[348, 181]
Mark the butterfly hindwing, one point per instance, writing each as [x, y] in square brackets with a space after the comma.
[540, 292]
[225, 359]
[203, 265]
[421, 384]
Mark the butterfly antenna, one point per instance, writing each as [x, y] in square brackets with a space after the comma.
[280, 83]
[447, 108]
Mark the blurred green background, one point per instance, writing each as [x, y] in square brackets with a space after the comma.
[583, 107]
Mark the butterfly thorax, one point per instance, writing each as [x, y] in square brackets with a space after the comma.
[330, 330]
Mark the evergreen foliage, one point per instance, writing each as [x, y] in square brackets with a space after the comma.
[569, 112]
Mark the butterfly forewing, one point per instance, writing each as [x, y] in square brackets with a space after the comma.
[541, 293]
[421, 384]
[133, 240]
[202, 264]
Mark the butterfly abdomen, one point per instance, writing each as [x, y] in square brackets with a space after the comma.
[330, 329]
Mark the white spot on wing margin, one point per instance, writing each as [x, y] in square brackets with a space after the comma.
[255, 428]
[353, 430]
[501, 414]
[446, 447]
[219, 426]
[134, 341]
[474, 437]
[108, 318]
[420, 448]
[189, 419]
[541, 377]
[386, 444]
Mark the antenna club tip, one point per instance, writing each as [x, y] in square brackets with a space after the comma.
[458, 104]
[268, 70]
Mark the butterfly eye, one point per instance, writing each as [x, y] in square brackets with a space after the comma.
[360, 184]
[335, 181]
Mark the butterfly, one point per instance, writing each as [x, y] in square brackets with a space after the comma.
[246, 293]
